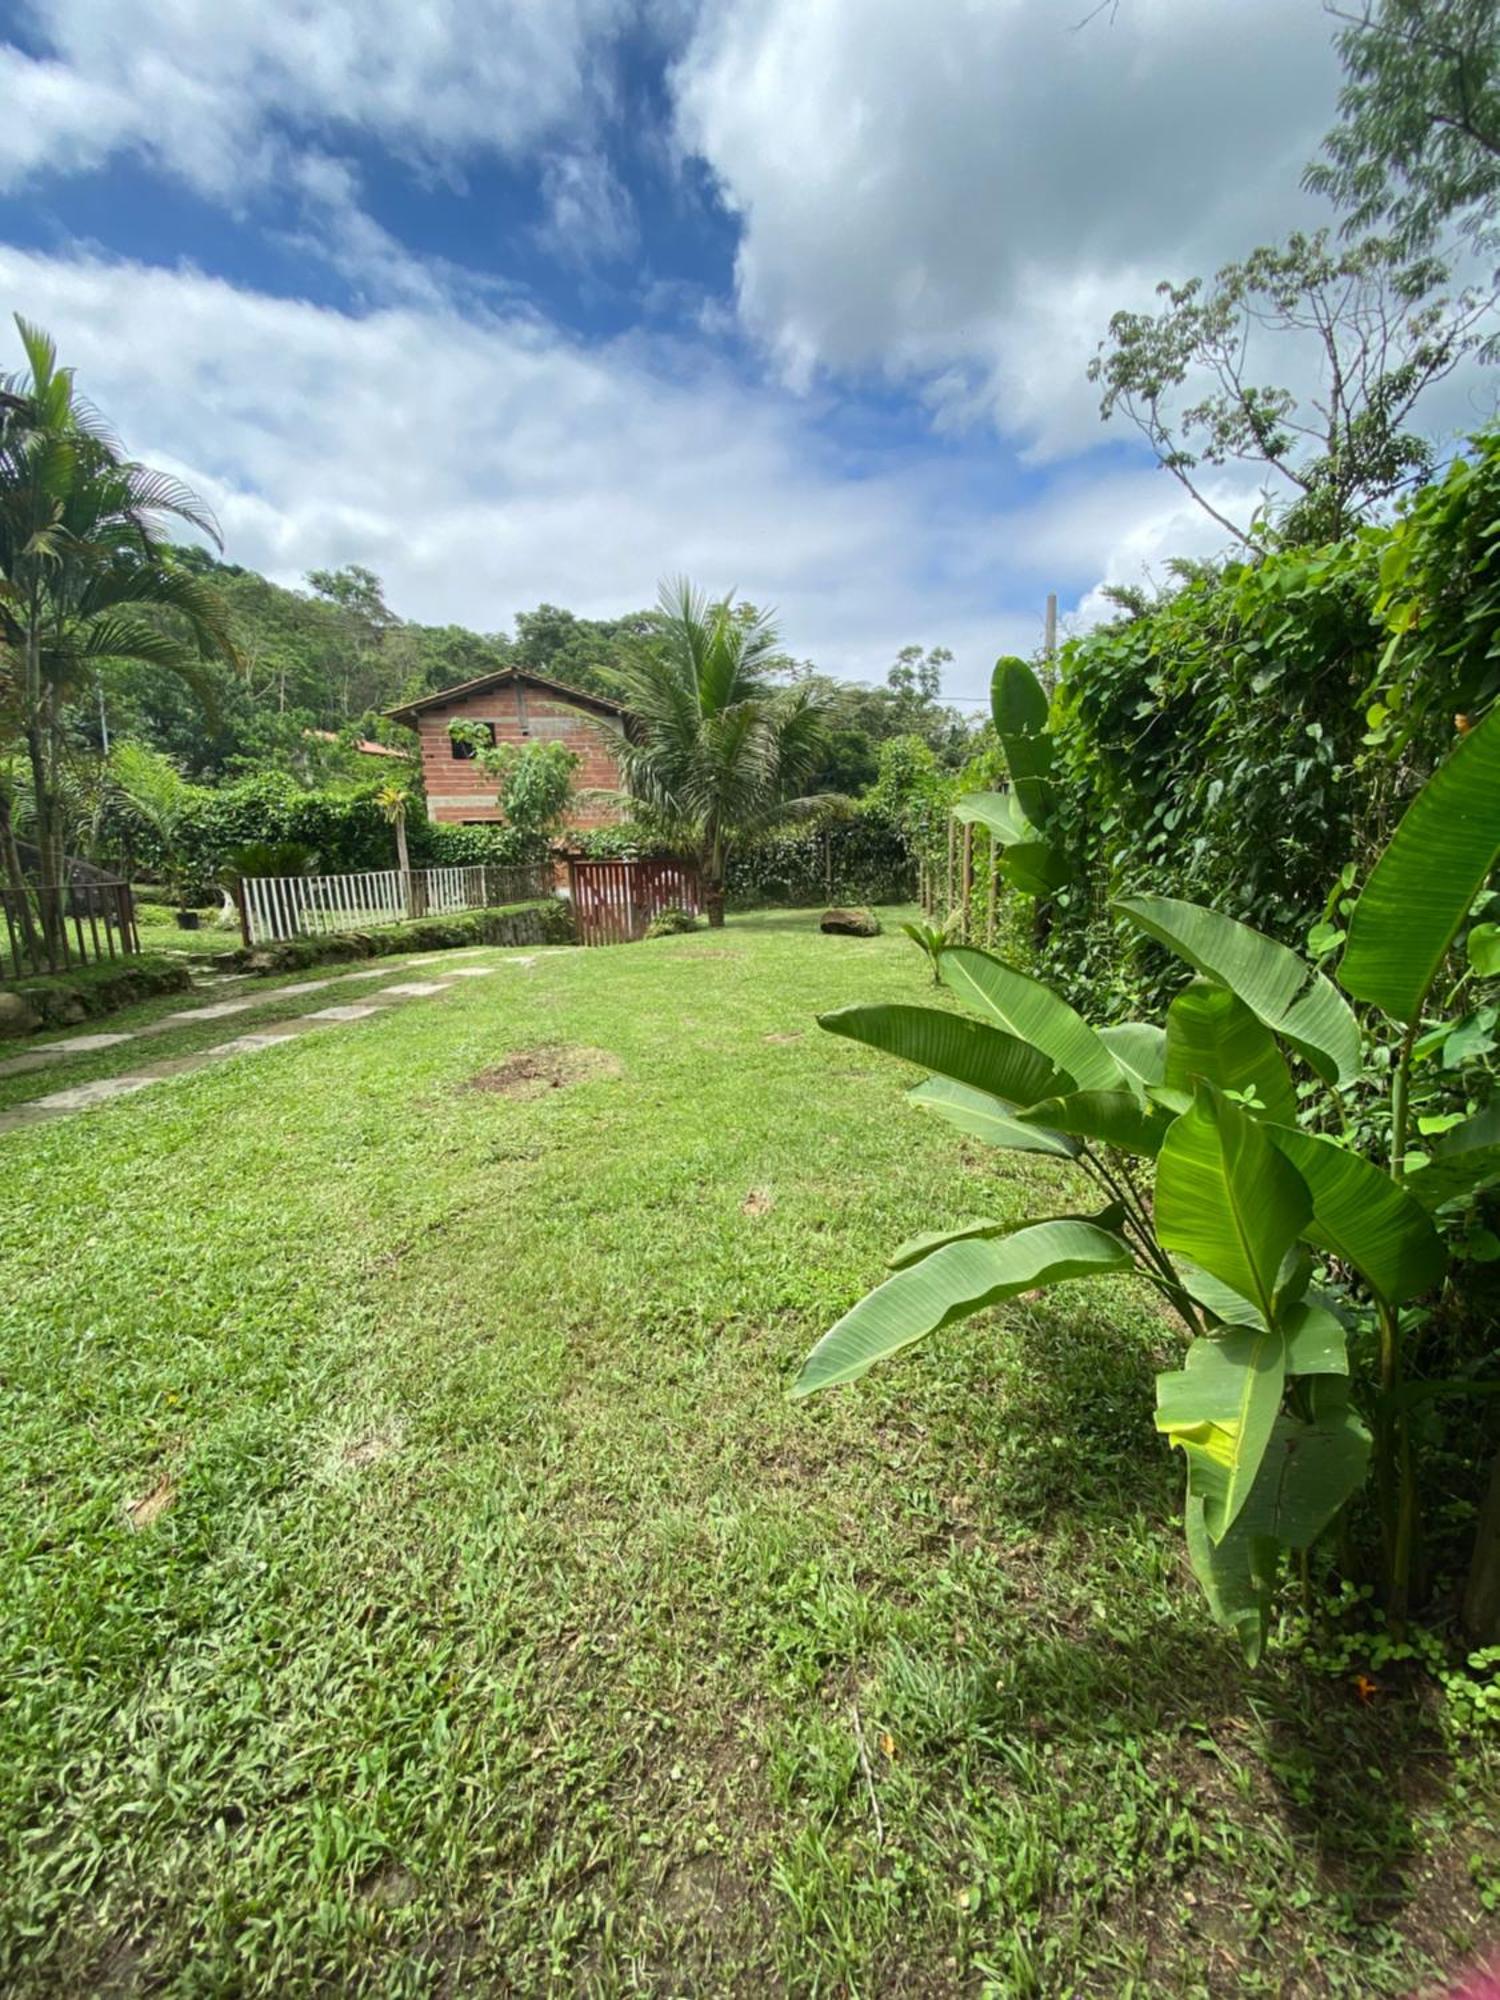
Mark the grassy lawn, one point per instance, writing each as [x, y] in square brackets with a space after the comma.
[487, 1622]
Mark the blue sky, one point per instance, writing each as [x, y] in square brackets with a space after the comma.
[517, 300]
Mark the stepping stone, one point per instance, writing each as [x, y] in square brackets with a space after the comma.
[291, 992]
[217, 1013]
[418, 989]
[249, 1045]
[473, 971]
[98, 1092]
[343, 1013]
[84, 1044]
[33, 1059]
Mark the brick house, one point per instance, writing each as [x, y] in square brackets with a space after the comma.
[515, 707]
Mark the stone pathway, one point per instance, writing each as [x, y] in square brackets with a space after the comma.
[60, 1103]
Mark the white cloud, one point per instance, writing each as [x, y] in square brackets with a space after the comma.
[959, 194]
[484, 463]
[208, 89]
[590, 215]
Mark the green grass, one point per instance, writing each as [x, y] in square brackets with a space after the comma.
[507, 1631]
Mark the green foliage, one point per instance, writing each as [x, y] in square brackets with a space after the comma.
[347, 829]
[1417, 144]
[1276, 1433]
[1256, 736]
[1371, 329]
[671, 923]
[535, 785]
[717, 750]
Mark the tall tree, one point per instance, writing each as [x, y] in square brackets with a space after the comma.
[85, 573]
[718, 748]
[1417, 144]
[1368, 332]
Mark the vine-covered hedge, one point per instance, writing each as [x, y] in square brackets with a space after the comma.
[859, 859]
[1260, 731]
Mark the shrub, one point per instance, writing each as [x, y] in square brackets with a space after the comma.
[671, 922]
[549, 921]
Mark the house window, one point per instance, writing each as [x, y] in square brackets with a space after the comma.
[464, 746]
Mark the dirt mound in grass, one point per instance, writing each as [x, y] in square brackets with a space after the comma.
[531, 1072]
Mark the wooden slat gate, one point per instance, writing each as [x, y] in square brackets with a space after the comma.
[614, 901]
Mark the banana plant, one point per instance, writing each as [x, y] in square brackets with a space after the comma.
[1017, 820]
[1216, 1188]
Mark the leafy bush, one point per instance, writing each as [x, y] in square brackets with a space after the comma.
[1270, 1405]
[671, 922]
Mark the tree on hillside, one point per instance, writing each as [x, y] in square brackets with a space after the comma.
[718, 749]
[1417, 143]
[580, 652]
[87, 579]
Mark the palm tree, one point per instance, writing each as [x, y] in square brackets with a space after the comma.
[393, 801]
[85, 574]
[714, 746]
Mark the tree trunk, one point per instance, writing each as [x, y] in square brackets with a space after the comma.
[713, 903]
[1482, 1598]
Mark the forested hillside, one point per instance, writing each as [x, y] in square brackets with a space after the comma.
[334, 656]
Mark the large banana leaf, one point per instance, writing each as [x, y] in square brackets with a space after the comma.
[1220, 1409]
[985, 1117]
[1140, 1048]
[1212, 1037]
[1113, 1117]
[950, 1285]
[915, 1248]
[952, 1045]
[1293, 1001]
[1307, 1474]
[1420, 889]
[1024, 1007]
[1018, 702]
[1237, 1576]
[1227, 1199]
[1463, 1161]
[1028, 859]
[1364, 1217]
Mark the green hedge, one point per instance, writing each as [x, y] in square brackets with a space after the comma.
[63, 999]
[869, 860]
[346, 829]
[1264, 728]
[546, 922]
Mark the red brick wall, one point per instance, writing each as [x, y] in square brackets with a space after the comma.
[458, 790]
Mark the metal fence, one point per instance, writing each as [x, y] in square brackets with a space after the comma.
[283, 906]
[614, 901]
[45, 929]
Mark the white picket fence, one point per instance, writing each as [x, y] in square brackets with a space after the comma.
[283, 906]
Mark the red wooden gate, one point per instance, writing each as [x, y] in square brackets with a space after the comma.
[613, 901]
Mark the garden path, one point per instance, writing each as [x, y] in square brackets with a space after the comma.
[265, 1035]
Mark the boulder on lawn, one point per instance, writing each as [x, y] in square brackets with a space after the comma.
[850, 923]
[16, 1018]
